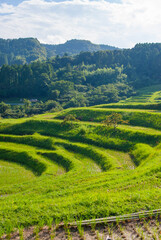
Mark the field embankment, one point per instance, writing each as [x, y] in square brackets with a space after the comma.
[78, 169]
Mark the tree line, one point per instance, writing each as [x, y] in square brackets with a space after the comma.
[27, 50]
[86, 79]
[27, 108]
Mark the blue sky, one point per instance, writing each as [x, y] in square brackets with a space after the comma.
[16, 2]
[121, 23]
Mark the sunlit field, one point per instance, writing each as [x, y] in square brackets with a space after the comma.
[54, 171]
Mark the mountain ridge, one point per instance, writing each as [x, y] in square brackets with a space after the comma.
[75, 46]
[26, 50]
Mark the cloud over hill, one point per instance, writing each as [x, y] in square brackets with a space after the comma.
[120, 23]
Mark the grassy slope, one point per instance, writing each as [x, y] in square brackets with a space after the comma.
[81, 169]
[11, 173]
[146, 98]
[150, 94]
[144, 118]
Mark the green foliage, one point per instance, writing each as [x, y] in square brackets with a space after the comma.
[145, 98]
[75, 46]
[65, 80]
[81, 172]
[75, 81]
[113, 120]
[35, 140]
[13, 173]
[71, 89]
[133, 117]
[28, 108]
[80, 230]
[103, 160]
[27, 103]
[21, 51]
[21, 233]
[141, 152]
[26, 50]
[61, 160]
[23, 158]
[68, 120]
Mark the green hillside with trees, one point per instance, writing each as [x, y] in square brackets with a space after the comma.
[82, 162]
[86, 79]
[75, 46]
[21, 51]
[26, 50]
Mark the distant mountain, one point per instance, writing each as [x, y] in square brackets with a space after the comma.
[75, 46]
[26, 50]
[20, 51]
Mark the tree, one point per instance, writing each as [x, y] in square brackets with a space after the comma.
[113, 120]
[27, 103]
[50, 104]
[4, 107]
[68, 120]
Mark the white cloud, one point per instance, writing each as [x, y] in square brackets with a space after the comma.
[120, 24]
[5, 8]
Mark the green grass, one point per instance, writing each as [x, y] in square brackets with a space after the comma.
[146, 98]
[150, 94]
[144, 118]
[11, 173]
[78, 170]
[141, 152]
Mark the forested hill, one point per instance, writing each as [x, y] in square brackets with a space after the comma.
[75, 47]
[26, 50]
[86, 79]
[21, 51]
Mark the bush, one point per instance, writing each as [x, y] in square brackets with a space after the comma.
[141, 152]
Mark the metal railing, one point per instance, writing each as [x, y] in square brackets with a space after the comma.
[132, 216]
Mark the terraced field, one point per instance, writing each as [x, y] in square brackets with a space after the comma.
[146, 95]
[51, 170]
[145, 98]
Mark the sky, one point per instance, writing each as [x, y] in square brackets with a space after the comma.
[120, 23]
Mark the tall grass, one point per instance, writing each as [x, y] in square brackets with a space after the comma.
[79, 193]
[23, 158]
[34, 140]
[141, 152]
[142, 106]
[135, 117]
[106, 162]
[12, 173]
[59, 159]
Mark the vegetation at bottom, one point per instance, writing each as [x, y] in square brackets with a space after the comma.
[78, 164]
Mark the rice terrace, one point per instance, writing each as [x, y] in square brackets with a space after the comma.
[80, 140]
[56, 170]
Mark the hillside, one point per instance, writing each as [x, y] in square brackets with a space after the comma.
[26, 50]
[21, 51]
[145, 98]
[68, 170]
[75, 46]
[86, 79]
[72, 165]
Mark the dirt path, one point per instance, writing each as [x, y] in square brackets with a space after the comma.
[147, 229]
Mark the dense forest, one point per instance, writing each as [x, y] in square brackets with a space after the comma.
[86, 79]
[21, 51]
[27, 50]
[60, 80]
[74, 46]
